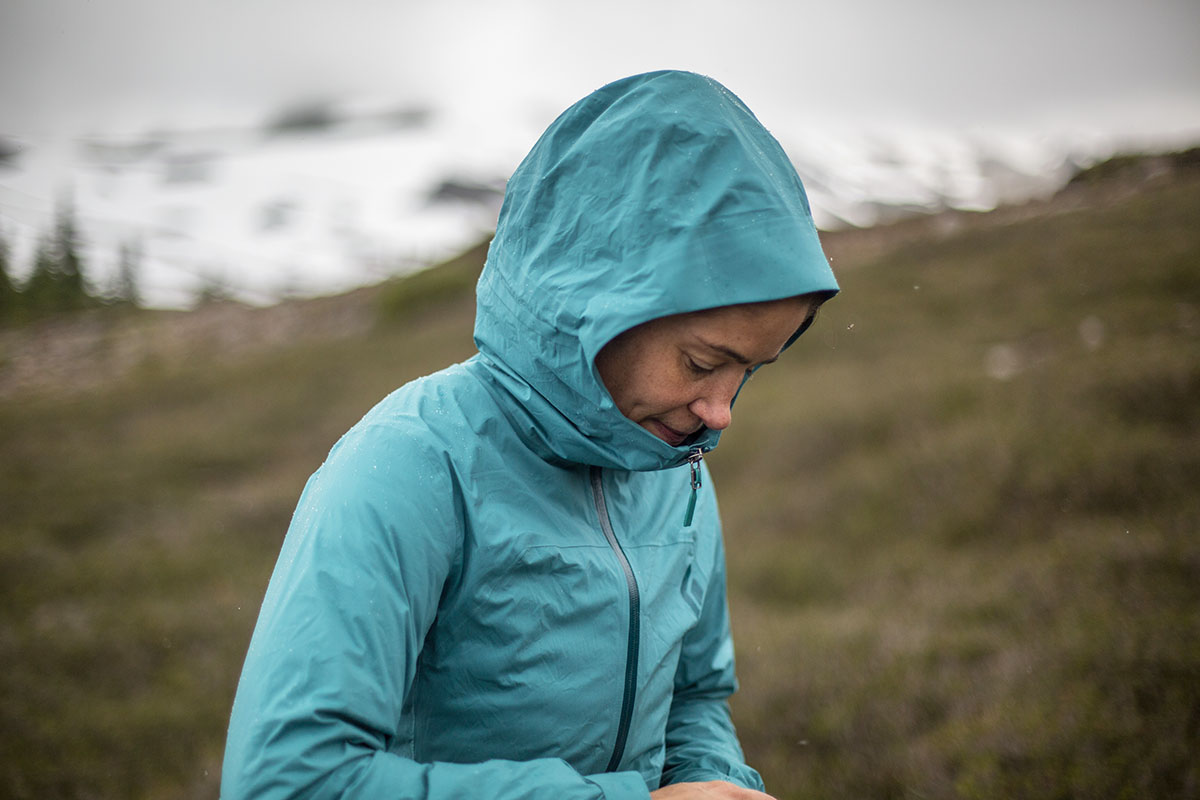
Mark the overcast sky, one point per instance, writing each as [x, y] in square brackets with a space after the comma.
[109, 66]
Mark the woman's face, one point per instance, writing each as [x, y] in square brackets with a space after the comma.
[675, 375]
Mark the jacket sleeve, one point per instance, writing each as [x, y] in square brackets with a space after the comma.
[375, 537]
[702, 744]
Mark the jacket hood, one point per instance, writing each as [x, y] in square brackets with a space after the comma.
[655, 195]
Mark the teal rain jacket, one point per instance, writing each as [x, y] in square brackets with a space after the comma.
[488, 589]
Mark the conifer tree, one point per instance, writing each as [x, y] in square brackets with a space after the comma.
[56, 282]
[9, 296]
[129, 260]
[40, 289]
[213, 288]
[68, 266]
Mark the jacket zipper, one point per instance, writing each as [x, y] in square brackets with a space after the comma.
[631, 655]
[694, 463]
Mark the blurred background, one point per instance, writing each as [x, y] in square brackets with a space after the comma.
[961, 515]
[274, 148]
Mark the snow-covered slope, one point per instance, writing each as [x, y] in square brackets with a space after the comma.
[321, 201]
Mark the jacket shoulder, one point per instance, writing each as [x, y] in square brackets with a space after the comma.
[432, 416]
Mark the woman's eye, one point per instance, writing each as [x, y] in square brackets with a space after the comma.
[697, 368]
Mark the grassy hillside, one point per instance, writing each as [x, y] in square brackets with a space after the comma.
[962, 522]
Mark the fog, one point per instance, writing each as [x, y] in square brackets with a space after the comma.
[880, 103]
[68, 65]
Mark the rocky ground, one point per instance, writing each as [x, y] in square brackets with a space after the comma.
[79, 352]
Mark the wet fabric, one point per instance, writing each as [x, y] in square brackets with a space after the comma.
[447, 617]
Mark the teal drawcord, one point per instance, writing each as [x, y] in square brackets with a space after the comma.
[694, 463]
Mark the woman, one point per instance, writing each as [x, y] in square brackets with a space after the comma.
[507, 580]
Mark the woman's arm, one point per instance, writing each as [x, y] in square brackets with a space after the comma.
[373, 541]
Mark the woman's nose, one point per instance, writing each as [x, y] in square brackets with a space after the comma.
[713, 407]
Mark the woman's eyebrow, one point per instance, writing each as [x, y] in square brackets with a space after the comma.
[734, 354]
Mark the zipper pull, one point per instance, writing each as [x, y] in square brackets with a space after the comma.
[694, 464]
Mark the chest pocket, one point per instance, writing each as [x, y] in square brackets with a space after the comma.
[671, 581]
[536, 607]
[532, 645]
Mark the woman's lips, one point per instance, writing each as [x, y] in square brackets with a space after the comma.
[668, 434]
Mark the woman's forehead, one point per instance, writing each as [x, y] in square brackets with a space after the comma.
[747, 329]
[746, 318]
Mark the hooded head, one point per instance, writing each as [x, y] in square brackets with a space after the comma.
[656, 195]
